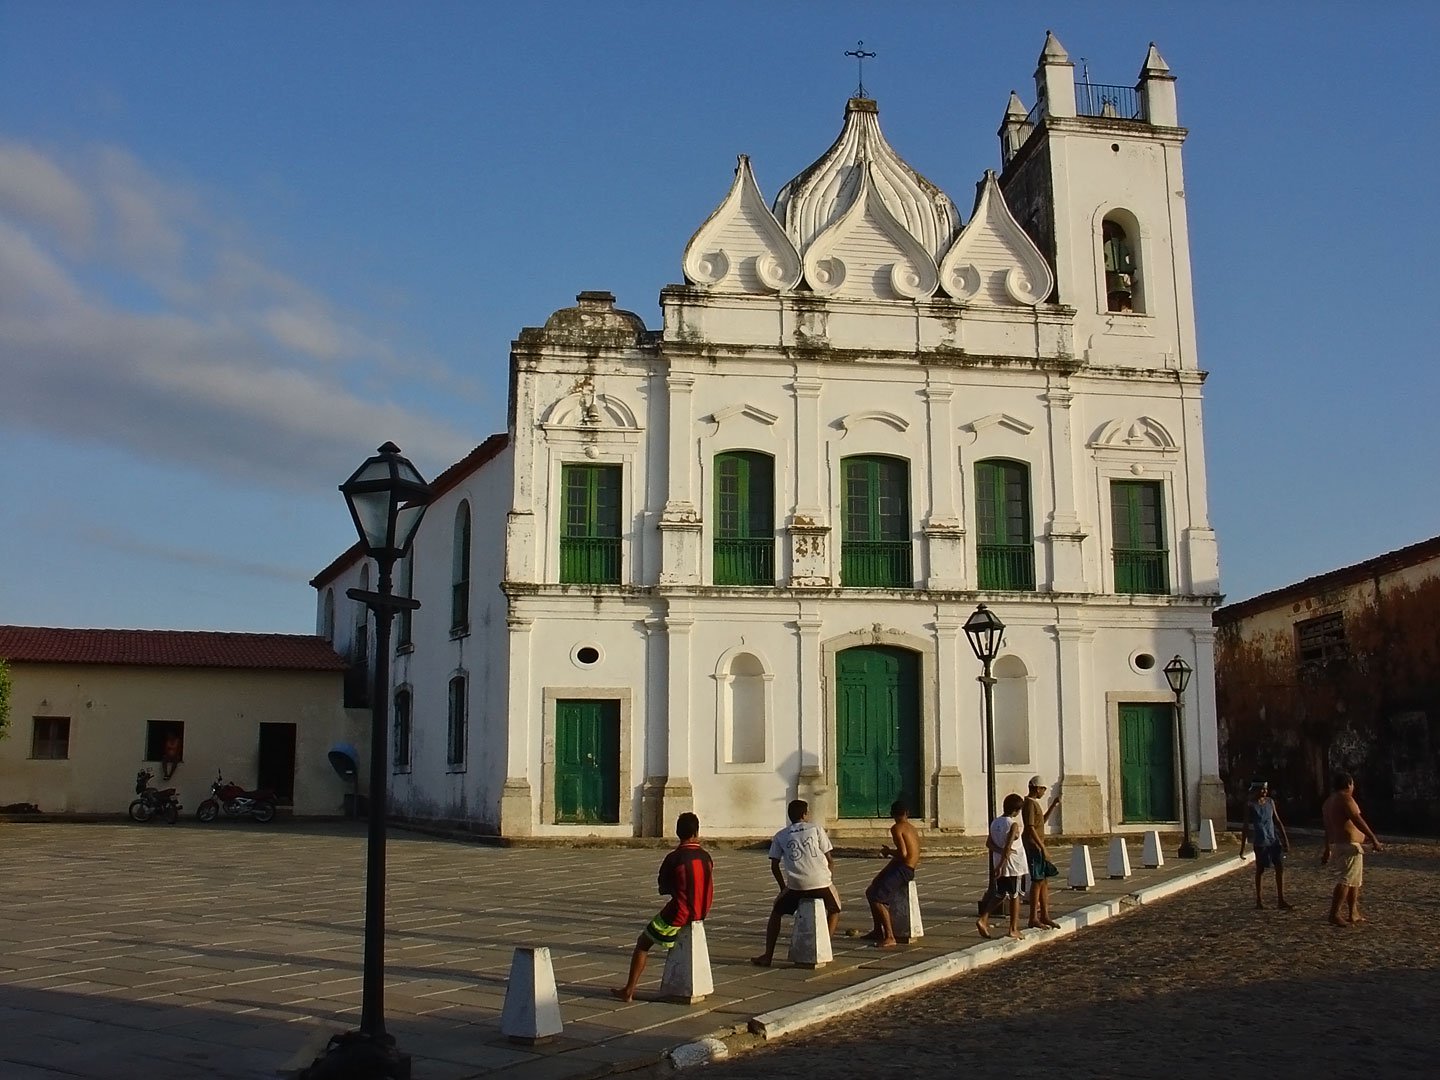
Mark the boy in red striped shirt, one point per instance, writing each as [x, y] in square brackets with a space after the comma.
[687, 876]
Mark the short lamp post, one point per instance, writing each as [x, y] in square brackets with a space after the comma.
[1177, 674]
[987, 633]
[387, 498]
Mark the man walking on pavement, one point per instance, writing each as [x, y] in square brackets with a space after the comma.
[1345, 833]
[1270, 840]
[802, 860]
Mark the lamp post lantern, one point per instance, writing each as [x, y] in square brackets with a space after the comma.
[987, 633]
[387, 498]
[1177, 674]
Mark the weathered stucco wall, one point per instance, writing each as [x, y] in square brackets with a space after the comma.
[1374, 711]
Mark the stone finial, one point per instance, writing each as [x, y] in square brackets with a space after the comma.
[1054, 52]
[1015, 108]
[1154, 63]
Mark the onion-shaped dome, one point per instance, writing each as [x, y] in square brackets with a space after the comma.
[815, 199]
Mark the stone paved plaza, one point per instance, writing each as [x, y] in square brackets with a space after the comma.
[234, 951]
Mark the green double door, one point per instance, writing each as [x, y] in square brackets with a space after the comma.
[877, 730]
[1147, 763]
[587, 762]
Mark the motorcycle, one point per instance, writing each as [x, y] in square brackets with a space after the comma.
[236, 802]
[153, 802]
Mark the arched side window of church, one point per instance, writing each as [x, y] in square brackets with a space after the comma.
[327, 616]
[1012, 711]
[744, 518]
[745, 722]
[460, 572]
[1120, 250]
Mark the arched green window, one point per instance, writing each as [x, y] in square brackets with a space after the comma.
[744, 518]
[875, 545]
[1142, 556]
[590, 529]
[1004, 547]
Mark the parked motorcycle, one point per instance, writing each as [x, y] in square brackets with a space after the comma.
[154, 802]
[237, 802]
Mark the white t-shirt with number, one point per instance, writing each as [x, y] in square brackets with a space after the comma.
[801, 848]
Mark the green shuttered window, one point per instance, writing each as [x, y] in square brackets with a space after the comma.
[875, 546]
[1004, 548]
[1142, 558]
[590, 528]
[744, 518]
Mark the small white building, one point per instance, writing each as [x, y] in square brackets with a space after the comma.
[726, 563]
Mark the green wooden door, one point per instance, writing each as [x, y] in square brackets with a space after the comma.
[877, 730]
[587, 762]
[1147, 763]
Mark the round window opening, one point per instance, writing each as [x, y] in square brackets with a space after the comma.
[1144, 661]
[588, 654]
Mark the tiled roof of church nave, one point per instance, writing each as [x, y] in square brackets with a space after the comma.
[168, 648]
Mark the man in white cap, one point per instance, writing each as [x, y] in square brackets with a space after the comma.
[1032, 819]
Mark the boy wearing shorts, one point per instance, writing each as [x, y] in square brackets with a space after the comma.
[1007, 865]
[897, 875]
[687, 877]
[801, 860]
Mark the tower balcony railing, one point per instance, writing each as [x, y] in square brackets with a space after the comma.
[745, 561]
[876, 564]
[1142, 570]
[1006, 566]
[590, 560]
[1103, 99]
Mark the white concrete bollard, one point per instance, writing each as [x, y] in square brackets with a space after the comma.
[1151, 855]
[532, 1005]
[1082, 874]
[1119, 858]
[810, 936]
[1207, 835]
[687, 975]
[905, 915]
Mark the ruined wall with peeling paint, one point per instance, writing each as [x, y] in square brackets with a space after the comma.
[1374, 712]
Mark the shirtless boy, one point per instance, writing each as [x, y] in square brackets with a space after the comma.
[896, 877]
[1345, 833]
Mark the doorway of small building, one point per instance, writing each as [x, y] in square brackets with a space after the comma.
[276, 770]
[877, 731]
[1147, 762]
[587, 762]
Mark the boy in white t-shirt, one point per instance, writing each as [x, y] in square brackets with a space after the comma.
[1008, 865]
[801, 859]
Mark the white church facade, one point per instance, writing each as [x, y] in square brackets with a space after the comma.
[726, 563]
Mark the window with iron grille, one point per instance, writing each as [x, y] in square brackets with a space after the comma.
[50, 740]
[590, 527]
[456, 724]
[460, 573]
[744, 519]
[875, 549]
[1320, 641]
[1004, 547]
[402, 730]
[1142, 559]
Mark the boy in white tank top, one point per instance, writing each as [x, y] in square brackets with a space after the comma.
[1008, 865]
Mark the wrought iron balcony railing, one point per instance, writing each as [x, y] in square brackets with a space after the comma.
[1006, 566]
[750, 561]
[876, 564]
[590, 560]
[1142, 571]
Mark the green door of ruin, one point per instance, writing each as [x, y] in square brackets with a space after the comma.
[587, 762]
[877, 730]
[1147, 763]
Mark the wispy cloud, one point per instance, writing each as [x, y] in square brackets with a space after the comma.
[131, 315]
[129, 544]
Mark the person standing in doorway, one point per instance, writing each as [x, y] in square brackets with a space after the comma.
[1272, 844]
[1345, 834]
[802, 861]
[170, 754]
[1033, 818]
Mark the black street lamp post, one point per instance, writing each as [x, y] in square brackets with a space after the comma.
[387, 498]
[1177, 674]
[987, 633]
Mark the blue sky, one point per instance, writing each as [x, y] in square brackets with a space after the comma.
[241, 244]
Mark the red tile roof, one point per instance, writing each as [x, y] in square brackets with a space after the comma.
[448, 479]
[168, 648]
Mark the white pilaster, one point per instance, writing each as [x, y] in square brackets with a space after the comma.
[943, 532]
[1065, 534]
[949, 810]
[517, 806]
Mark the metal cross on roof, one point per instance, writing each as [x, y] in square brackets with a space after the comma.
[861, 55]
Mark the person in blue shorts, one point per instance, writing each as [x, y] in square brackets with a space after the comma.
[895, 878]
[1267, 833]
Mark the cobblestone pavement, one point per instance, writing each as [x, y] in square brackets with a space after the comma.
[1198, 985]
[228, 951]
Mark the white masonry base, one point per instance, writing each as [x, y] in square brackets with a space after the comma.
[810, 936]
[1207, 835]
[687, 977]
[532, 1005]
[1150, 854]
[1119, 866]
[1082, 873]
[905, 915]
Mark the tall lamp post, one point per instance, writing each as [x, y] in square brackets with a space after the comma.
[986, 633]
[1177, 674]
[387, 498]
